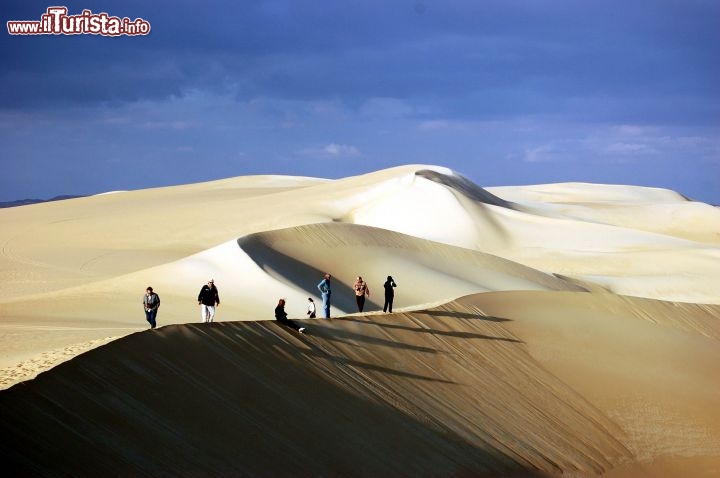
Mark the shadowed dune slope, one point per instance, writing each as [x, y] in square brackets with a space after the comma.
[464, 186]
[442, 392]
[426, 271]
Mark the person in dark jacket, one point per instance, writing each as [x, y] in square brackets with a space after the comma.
[281, 316]
[208, 299]
[389, 286]
[151, 303]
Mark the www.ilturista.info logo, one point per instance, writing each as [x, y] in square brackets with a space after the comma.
[57, 22]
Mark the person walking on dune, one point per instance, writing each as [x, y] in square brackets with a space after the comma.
[311, 308]
[281, 316]
[389, 286]
[208, 299]
[361, 290]
[325, 292]
[151, 303]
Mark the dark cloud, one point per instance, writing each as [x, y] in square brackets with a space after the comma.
[250, 79]
[537, 53]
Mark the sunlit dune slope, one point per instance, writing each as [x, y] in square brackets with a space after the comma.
[52, 246]
[650, 366]
[637, 241]
[647, 209]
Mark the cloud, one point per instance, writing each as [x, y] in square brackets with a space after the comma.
[541, 154]
[633, 130]
[454, 125]
[332, 150]
[460, 61]
[434, 125]
[629, 149]
[620, 144]
[175, 125]
[558, 85]
[341, 150]
[387, 108]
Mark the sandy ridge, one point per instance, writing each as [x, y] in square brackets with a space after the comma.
[434, 368]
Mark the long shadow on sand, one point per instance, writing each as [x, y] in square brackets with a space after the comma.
[298, 273]
[316, 351]
[462, 315]
[331, 333]
[422, 330]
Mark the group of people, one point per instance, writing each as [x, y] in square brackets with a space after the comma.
[209, 299]
[361, 291]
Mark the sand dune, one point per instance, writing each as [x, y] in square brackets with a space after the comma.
[104, 237]
[650, 366]
[578, 332]
[435, 272]
[646, 209]
[452, 390]
[404, 396]
[54, 245]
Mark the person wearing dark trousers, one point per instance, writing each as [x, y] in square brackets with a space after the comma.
[389, 286]
[361, 290]
[281, 317]
[151, 302]
[311, 308]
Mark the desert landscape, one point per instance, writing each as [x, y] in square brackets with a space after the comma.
[547, 330]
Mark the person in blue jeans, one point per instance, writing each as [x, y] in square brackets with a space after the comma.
[325, 292]
[151, 302]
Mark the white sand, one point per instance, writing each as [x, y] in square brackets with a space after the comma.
[549, 259]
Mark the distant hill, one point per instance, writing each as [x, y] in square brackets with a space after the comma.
[26, 202]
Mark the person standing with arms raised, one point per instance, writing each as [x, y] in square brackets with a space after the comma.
[389, 286]
[325, 292]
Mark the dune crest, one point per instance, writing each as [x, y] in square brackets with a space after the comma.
[446, 390]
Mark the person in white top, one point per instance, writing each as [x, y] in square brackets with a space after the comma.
[311, 308]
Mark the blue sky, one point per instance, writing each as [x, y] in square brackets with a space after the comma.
[505, 92]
